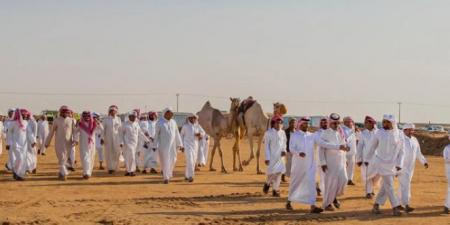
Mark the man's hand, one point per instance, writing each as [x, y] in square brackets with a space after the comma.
[32, 145]
[154, 149]
[366, 163]
[267, 162]
[181, 149]
[359, 164]
[145, 145]
[324, 168]
[426, 165]
[46, 146]
[398, 168]
[344, 148]
[102, 142]
[7, 147]
[283, 154]
[302, 154]
[121, 145]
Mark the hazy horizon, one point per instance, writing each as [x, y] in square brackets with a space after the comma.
[351, 57]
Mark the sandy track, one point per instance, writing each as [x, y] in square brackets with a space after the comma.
[214, 198]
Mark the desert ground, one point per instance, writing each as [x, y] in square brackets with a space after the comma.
[213, 198]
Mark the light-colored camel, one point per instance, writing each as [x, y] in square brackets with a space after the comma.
[217, 126]
[254, 123]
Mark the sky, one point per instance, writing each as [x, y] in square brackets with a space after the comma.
[353, 57]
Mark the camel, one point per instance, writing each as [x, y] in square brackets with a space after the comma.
[254, 123]
[217, 126]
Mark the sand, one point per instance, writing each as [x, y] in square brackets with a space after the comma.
[213, 198]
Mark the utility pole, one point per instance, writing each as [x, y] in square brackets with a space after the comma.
[399, 112]
[178, 99]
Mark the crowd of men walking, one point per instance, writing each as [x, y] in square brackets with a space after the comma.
[141, 141]
[316, 163]
[324, 161]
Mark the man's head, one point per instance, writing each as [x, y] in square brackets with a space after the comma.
[192, 119]
[276, 122]
[334, 121]
[388, 122]
[132, 116]
[369, 123]
[303, 124]
[25, 114]
[43, 117]
[324, 123]
[152, 116]
[86, 116]
[348, 122]
[168, 114]
[112, 110]
[11, 113]
[409, 129]
[292, 123]
[64, 111]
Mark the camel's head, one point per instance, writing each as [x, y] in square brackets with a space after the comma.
[235, 102]
[279, 108]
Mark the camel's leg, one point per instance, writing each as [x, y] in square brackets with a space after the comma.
[252, 154]
[236, 153]
[213, 152]
[221, 158]
[258, 153]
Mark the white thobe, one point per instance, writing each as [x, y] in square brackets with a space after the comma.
[334, 158]
[275, 145]
[302, 187]
[190, 143]
[151, 153]
[32, 151]
[87, 150]
[20, 138]
[43, 131]
[112, 141]
[167, 139]
[411, 153]
[131, 135]
[363, 156]
[319, 173]
[8, 138]
[140, 151]
[350, 136]
[202, 158]
[387, 146]
[72, 153]
[98, 143]
[447, 172]
[63, 130]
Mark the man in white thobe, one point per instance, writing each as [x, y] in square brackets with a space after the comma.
[63, 129]
[203, 149]
[275, 148]
[412, 152]
[350, 136]
[320, 185]
[168, 141]
[8, 121]
[98, 141]
[43, 130]
[302, 187]
[288, 132]
[363, 158]
[387, 146]
[71, 161]
[85, 137]
[191, 134]
[142, 146]
[151, 153]
[21, 136]
[131, 133]
[333, 162]
[446, 155]
[112, 139]
[31, 150]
